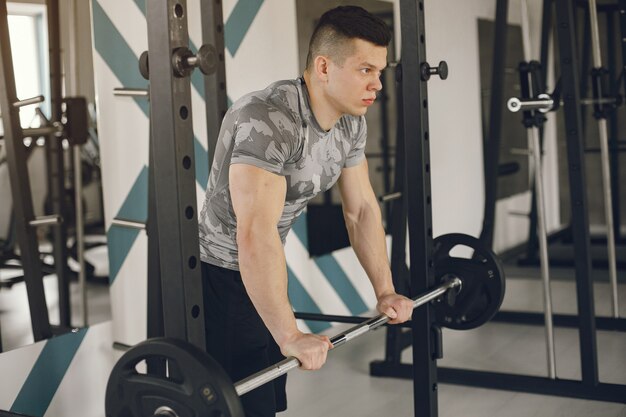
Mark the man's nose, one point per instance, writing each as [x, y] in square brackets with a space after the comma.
[376, 85]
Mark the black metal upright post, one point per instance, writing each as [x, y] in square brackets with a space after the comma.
[214, 84]
[416, 138]
[155, 293]
[20, 186]
[174, 173]
[568, 60]
[396, 342]
[55, 161]
[496, 107]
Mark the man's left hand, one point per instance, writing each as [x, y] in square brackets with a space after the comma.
[398, 307]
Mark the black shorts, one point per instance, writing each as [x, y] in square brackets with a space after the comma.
[238, 339]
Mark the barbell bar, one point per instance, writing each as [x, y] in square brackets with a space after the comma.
[269, 374]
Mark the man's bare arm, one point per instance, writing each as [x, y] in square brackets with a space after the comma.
[258, 198]
[367, 236]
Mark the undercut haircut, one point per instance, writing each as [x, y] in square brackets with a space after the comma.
[338, 26]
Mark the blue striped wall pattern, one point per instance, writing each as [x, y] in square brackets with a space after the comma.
[63, 376]
[261, 47]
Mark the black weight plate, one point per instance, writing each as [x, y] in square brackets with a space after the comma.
[483, 285]
[196, 384]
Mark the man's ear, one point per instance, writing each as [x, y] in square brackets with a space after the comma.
[320, 66]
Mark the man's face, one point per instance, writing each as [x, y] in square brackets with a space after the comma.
[352, 86]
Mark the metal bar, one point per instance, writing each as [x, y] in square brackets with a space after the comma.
[174, 174]
[560, 320]
[216, 100]
[269, 374]
[20, 187]
[605, 167]
[542, 234]
[492, 145]
[129, 224]
[80, 232]
[613, 123]
[578, 200]
[390, 197]
[52, 219]
[533, 384]
[55, 162]
[537, 175]
[418, 198]
[36, 132]
[130, 92]
[29, 101]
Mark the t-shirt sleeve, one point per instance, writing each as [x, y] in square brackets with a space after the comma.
[263, 138]
[357, 152]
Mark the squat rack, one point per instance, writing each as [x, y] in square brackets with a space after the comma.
[174, 182]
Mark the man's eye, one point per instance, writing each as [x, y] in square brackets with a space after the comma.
[365, 70]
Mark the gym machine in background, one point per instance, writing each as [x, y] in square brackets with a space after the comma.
[566, 49]
[68, 121]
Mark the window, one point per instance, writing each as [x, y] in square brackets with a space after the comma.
[28, 32]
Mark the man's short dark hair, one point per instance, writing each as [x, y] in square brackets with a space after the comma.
[339, 25]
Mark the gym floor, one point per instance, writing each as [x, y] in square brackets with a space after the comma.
[344, 388]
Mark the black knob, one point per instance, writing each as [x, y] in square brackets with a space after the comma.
[427, 70]
[144, 68]
[206, 59]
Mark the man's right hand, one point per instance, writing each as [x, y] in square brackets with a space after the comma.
[310, 349]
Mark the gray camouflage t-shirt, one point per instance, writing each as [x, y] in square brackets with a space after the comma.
[274, 129]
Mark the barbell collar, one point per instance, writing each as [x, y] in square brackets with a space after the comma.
[164, 411]
[269, 374]
[544, 103]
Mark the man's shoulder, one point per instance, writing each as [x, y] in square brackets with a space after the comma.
[280, 96]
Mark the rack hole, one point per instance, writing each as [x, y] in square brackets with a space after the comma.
[184, 112]
[178, 10]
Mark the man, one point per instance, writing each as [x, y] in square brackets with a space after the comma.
[277, 149]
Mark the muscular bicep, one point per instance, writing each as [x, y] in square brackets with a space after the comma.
[258, 197]
[356, 189]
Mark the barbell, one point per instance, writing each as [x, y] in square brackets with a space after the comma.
[469, 294]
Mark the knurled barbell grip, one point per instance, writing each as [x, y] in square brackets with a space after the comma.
[269, 374]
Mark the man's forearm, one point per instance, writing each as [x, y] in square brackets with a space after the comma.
[367, 237]
[264, 273]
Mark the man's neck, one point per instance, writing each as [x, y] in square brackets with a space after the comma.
[322, 109]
